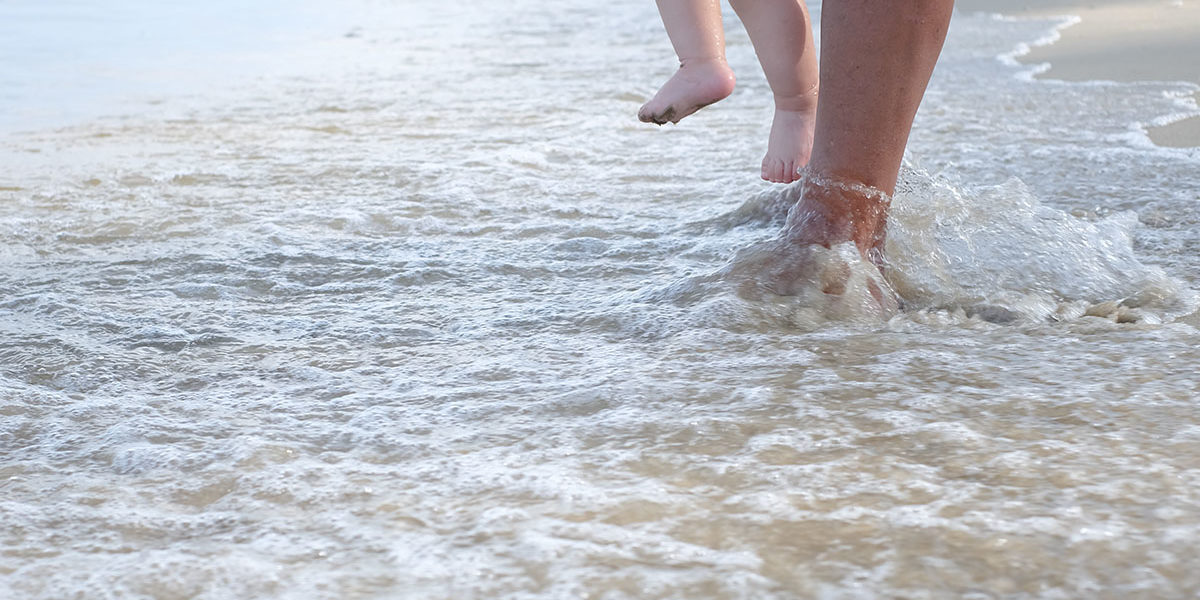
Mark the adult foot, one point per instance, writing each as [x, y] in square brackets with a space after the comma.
[828, 257]
[697, 83]
[832, 211]
[791, 138]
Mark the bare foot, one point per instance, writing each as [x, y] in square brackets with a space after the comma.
[791, 138]
[832, 211]
[697, 83]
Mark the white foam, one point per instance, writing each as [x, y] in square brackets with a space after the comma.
[1001, 247]
[1030, 72]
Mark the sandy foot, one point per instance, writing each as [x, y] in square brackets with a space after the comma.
[695, 85]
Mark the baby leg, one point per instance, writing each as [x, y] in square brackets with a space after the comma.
[704, 77]
[782, 36]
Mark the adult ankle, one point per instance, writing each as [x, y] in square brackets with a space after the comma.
[847, 210]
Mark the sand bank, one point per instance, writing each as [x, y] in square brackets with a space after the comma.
[1119, 40]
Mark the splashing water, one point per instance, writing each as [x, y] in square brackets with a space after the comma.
[995, 254]
[1001, 254]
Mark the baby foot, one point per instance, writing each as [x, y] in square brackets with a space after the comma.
[791, 139]
[697, 83]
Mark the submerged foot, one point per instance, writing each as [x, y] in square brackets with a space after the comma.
[697, 83]
[791, 138]
[832, 212]
[828, 259]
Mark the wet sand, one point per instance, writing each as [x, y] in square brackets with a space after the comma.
[1119, 40]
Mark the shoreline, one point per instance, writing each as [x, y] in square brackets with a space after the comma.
[1118, 40]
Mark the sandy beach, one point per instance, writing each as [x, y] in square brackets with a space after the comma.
[1119, 40]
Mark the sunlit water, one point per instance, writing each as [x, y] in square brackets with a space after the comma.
[376, 299]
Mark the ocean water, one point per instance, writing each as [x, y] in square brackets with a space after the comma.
[397, 299]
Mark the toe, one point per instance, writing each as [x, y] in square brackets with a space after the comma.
[776, 171]
[651, 113]
[789, 172]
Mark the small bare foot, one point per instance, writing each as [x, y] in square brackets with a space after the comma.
[697, 83]
[791, 138]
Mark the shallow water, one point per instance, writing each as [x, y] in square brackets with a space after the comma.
[405, 303]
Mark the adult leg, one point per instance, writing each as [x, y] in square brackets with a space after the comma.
[876, 60]
[781, 32]
[704, 77]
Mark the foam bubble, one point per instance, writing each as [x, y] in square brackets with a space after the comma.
[1000, 253]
